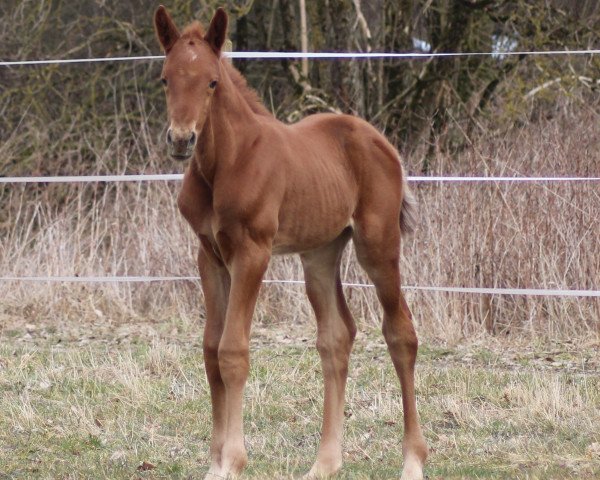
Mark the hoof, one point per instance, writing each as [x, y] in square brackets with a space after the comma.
[318, 472]
[413, 470]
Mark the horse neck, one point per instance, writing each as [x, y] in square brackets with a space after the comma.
[231, 125]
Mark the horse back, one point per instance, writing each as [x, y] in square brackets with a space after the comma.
[373, 164]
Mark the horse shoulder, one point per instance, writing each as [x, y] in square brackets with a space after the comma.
[247, 197]
[195, 201]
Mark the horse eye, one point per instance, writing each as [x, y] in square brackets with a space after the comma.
[163, 81]
[212, 84]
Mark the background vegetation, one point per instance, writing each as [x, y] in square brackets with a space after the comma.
[419, 104]
[497, 114]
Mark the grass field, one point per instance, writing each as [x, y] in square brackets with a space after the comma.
[95, 400]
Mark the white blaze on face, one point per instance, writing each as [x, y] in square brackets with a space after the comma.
[191, 52]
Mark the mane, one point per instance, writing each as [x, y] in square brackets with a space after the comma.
[248, 94]
[195, 31]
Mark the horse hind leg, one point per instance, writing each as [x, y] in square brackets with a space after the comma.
[377, 243]
[335, 335]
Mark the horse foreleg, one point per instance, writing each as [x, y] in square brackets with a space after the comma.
[246, 266]
[215, 285]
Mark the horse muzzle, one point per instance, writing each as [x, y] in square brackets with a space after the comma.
[181, 144]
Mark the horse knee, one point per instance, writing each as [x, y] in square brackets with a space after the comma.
[234, 364]
[334, 348]
[401, 337]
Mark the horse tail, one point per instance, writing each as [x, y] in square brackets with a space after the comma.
[408, 212]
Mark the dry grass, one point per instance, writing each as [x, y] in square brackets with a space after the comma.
[101, 405]
[483, 235]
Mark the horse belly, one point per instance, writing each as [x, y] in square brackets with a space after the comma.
[314, 213]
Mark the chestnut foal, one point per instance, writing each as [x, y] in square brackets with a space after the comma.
[255, 187]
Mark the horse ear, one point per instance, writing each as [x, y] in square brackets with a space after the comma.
[166, 31]
[217, 31]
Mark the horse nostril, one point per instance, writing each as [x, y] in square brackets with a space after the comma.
[192, 139]
[169, 137]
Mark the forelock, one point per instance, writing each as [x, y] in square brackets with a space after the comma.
[193, 30]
